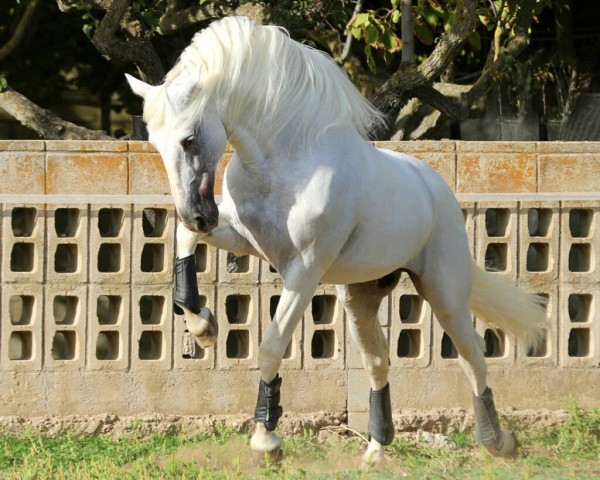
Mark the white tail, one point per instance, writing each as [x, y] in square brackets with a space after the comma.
[502, 305]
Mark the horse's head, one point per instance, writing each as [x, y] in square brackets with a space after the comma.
[190, 145]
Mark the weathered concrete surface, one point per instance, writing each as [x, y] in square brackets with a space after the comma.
[145, 370]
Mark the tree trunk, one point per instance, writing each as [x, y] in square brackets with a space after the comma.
[44, 122]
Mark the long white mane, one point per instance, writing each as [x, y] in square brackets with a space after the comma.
[264, 81]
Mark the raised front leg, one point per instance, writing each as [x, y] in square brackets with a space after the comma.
[295, 298]
[200, 321]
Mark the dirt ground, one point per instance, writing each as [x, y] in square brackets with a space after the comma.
[114, 426]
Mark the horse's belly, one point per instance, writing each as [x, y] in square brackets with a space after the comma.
[370, 257]
[344, 276]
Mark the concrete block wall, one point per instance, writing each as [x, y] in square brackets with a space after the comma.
[86, 317]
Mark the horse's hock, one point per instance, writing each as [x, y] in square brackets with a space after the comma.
[87, 325]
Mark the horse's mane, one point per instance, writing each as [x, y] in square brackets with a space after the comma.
[264, 81]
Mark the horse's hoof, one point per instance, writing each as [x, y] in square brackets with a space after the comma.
[262, 459]
[204, 327]
[372, 459]
[508, 446]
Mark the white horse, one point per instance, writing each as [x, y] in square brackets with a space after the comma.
[306, 192]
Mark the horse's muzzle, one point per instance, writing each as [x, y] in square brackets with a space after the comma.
[203, 208]
[205, 225]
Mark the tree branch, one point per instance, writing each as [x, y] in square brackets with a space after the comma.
[513, 49]
[174, 20]
[137, 51]
[349, 36]
[19, 33]
[396, 90]
[43, 121]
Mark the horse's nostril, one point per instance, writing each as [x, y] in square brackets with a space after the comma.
[200, 223]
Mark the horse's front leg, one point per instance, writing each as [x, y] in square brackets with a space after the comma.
[295, 298]
[200, 322]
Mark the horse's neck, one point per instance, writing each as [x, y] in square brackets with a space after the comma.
[250, 151]
[257, 152]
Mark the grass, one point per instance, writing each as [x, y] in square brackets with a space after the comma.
[570, 451]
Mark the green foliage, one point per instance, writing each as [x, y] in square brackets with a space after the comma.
[377, 29]
[570, 450]
[580, 434]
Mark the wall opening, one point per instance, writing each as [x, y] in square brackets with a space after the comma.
[580, 307]
[237, 308]
[496, 221]
[150, 346]
[64, 345]
[494, 343]
[410, 307]
[409, 344]
[22, 257]
[323, 344]
[447, 347]
[237, 264]
[237, 344]
[153, 258]
[20, 346]
[109, 258]
[110, 222]
[65, 309]
[273, 302]
[579, 344]
[541, 349]
[151, 309]
[538, 257]
[66, 258]
[108, 309]
[496, 257]
[190, 349]
[154, 222]
[107, 345]
[580, 222]
[23, 221]
[323, 309]
[20, 309]
[66, 222]
[580, 257]
[539, 221]
[201, 258]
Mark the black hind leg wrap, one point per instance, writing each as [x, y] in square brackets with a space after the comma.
[487, 426]
[268, 410]
[381, 426]
[186, 285]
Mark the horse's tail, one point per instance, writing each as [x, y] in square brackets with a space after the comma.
[502, 305]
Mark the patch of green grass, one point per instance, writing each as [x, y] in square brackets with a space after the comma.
[571, 450]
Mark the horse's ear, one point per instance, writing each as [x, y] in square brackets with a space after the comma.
[139, 88]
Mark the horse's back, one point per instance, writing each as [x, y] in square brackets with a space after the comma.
[403, 202]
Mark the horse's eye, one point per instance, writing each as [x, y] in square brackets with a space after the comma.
[188, 143]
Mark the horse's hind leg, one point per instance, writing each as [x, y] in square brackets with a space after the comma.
[361, 302]
[449, 294]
